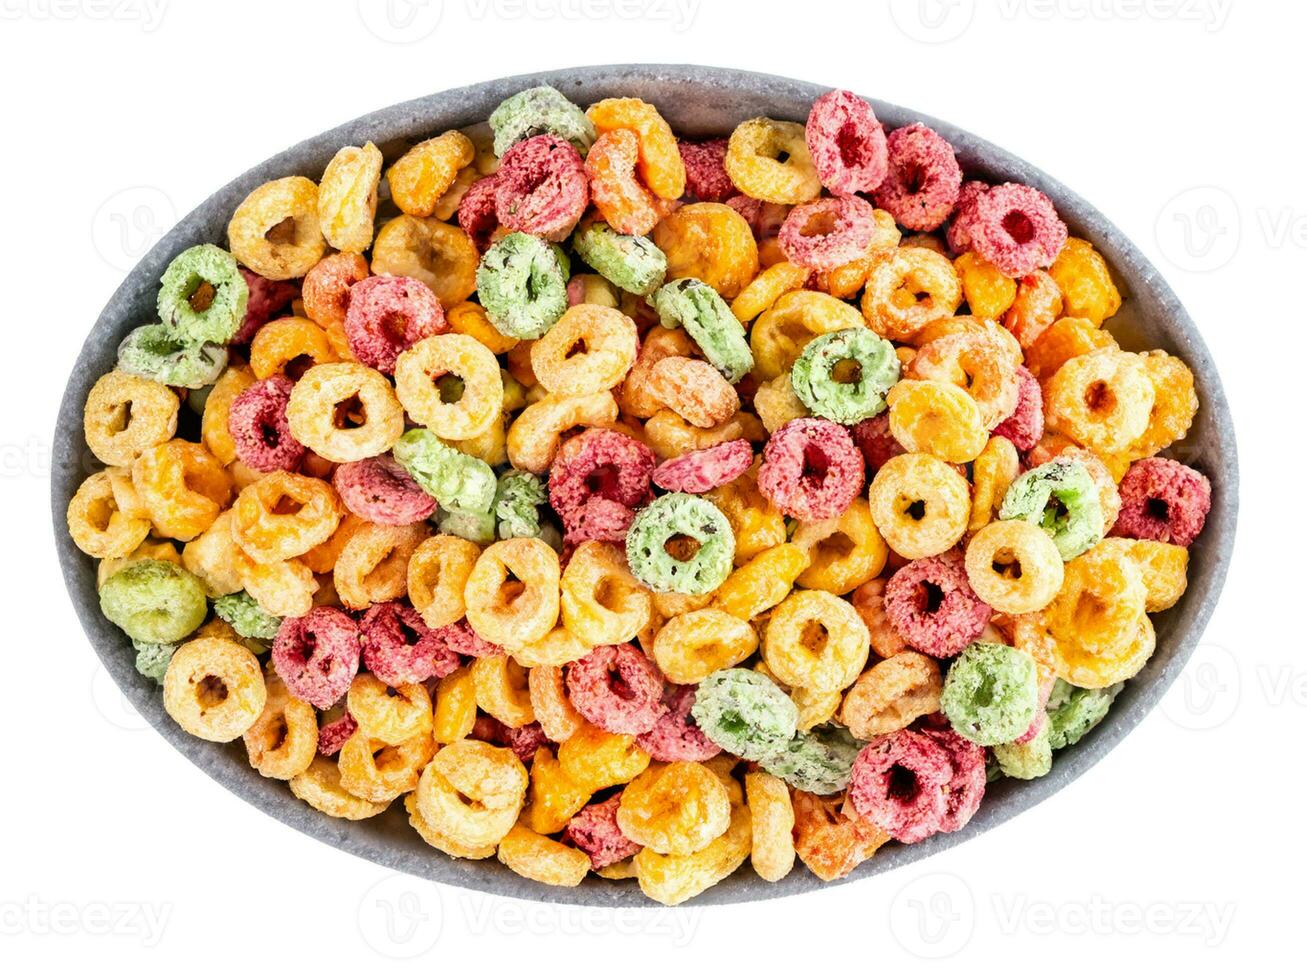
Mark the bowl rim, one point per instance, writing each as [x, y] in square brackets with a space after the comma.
[407, 119]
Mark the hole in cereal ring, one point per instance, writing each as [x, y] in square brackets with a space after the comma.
[283, 232]
[851, 145]
[602, 480]
[902, 783]
[783, 156]
[819, 224]
[682, 547]
[1158, 508]
[931, 597]
[839, 545]
[607, 593]
[1055, 513]
[210, 692]
[815, 463]
[269, 436]
[297, 365]
[511, 589]
[277, 737]
[1006, 564]
[202, 298]
[286, 506]
[914, 179]
[350, 413]
[1099, 397]
[450, 388]
[916, 509]
[393, 326]
[578, 348]
[1018, 226]
[846, 371]
[814, 636]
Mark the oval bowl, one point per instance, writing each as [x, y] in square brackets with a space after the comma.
[697, 101]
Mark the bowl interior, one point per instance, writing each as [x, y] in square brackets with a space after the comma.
[697, 101]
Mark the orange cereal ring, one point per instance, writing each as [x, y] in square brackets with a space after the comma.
[282, 743]
[766, 288]
[419, 369]
[372, 770]
[892, 301]
[214, 433]
[985, 369]
[512, 594]
[694, 390]
[589, 349]
[182, 487]
[1103, 400]
[625, 203]
[1014, 566]
[373, 565]
[780, 334]
[325, 293]
[659, 342]
[125, 415]
[275, 230]
[214, 689]
[1037, 305]
[437, 573]
[421, 176]
[710, 242]
[439, 255]
[1174, 406]
[96, 523]
[347, 197]
[660, 164]
[1067, 338]
[769, 160]
[987, 291]
[289, 346]
[842, 552]
[937, 418]
[891, 695]
[1086, 284]
[534, 436]
[470, 319]
[920, 504]
[283, 515]
[345, 412]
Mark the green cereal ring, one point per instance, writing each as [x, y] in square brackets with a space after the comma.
[816, 761]
[630, 262]
[539, 110]
[152, 659]
[243, 614]
[1027, 760]
[991, 693]
[202, 296]
[458, 481]
[873, 370]
[518, 499]
[1073, 711]
[149, 352]
[154, 601]
[686, 516]
[1061, 498]
[745, 713]
[706, 317]
[522, 285]
[477, 527]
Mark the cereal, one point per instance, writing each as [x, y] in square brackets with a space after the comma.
[441, 256]
[919, 504]
[541, 187]
[922, 179]
[619, 196]
[214, 689]
[202, 296]
[345, 412]
[517, 612]
[1163, 500]
[811, 469]
[660, 164]
[693, 390]
[632, 263]
[599, 464]
[1061, 498]
[522, 283]
[617, 689]
[990, 693]
[595, 831]
[938, 418]
[847, 144]
[932, 606]
[1085, 282]
[458, 481]
[275, 230]
[1014, 566]
[533, 111]
[246, 616]
[702, 470]
[769, 160]
[710, 243]
[1073, 711]
[422, 370]
[386, 315]
[967, 787]
[815, 640]
[421, 176]
[259, 429]
[892, 694]
[695, 643]
[347, 197]
[908, 288]
[831, 841]
[680, 543]
[844, 376]
[815, 761]
[125, 415]
[380, 491]
[317, 655]
[705, 172]
[153, 601]
[267, 299]
[148, 352]
[589, 349]
[675, 736]
[701, 311]
[900, 783]
[1014, 227]
[828, 233]
[744, 713]
[1025, 426]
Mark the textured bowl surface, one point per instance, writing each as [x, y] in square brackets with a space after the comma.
[697, 101]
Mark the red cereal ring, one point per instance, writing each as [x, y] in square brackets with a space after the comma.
[541, 187]
[764, 218]
[900, 782]
[599, 463]
[327, 286]
[381, 491]
[524, 740]
[476, 211]
[1162, 500]
[828, 232]
[594, 831]
[459, 639]
[1025, 426]
[810, 469]
[259, 429]
[847, 143]
[967, 787]
[387, 315]
[1016, 229]
[875, 441]
[964, 215]
[395, 646]
[268, 297]
[705, 171]
[599, 519]
[334, 734]
[317, 655]
[922, 183]
[675, 737]
[618, 689]
[703, 469]
[930, 603]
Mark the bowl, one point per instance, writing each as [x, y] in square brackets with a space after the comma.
[698, 101]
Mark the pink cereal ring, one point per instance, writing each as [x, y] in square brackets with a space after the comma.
[456, 640]
[705, 170]
[1016, 229]
[1162, 500]
[828, 232]
[923, 180]
[259, 428]
[967, 787]
[541, 187]
[476, 212]
[703, 469]
[332, 735]
[599, 463]
[380, 491]
[810, 469]
[599, 519]
[1025, 426]
[930, 603]
[268, 297]
[900, 782]
[317, 655]
[964, 215]
[594, 830]
[675, 737]
[764, 217]
[847, 143]
[524, 740]
[387, 315]
[874, 440]
[394, 644]
[618, 689]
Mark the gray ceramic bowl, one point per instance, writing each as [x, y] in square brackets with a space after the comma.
[697, 101]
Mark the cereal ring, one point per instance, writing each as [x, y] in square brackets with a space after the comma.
[372, 565]
[1163, 567]
[522, 284]
[987, 291]
[810, 469]
[699, 564]
[347, 197]
[938, 418]
[387, 315]
[153, 601]
[599, 463]
[259, 428]
[619, 196]
[630, 262]
[1103, 400]
[1016, 229]
[512, 593]
[1028, 759]
[984, 368]
[844, 376]
[181, 487]
[202, 296]
[1163, 500]
[1037, 306]
[745, 713]
[594, 830]
[967, 787]
[332, 735]
[1014, 567]
[705, 171]
[1061, 498]
[380, 491]
[283, 515]
[696, 306]
[317, 655]
[1073, 711]
[932, 606]
[660, 163]
[420, 371]
[327, 292]
[891, 695]
[345, 412]
[458, 481]
[533, 111]
[282, 743]
[534, 436]
[693, 390]
[769, 160]
[99, 523]
[772, 848]
[703, 469]
[1085, 282]
[875, 441]
[900, 783]
[816, 761]
[397, 647]
[275, 230]
[476, 212]
[618, 689]
[815, 640]
[675, 737]
[214, 689]
[441, 256]
[289, 346]
[541, 188]
[780, 334]
[267, 299]
[375, 771]
[847, 143]
[319, 787]
[920, 505]
[126, 415]
[831, 841]
[246, 616]
[828, 232]
[436, 575]
[711, 243]
[1025, 426]
[390, 712]
[991, 693]
[420, 178]
[908, 288]
[922, 180]
[695, 643]
[596, 759]
[148, 352]
[676, 809]
[542, 858]
[589, 349]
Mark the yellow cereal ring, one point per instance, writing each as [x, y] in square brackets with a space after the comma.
[920, 505]
[125, 415]
[214, 689]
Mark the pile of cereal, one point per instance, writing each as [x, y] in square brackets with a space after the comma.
[772, 496]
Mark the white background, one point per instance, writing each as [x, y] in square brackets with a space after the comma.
[1182, 851]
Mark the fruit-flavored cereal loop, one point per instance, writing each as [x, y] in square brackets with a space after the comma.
[639, 502]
